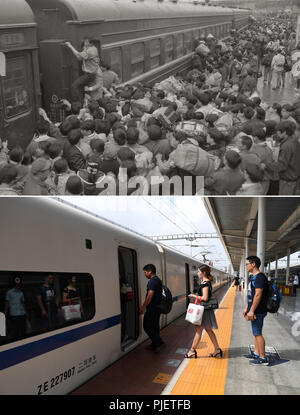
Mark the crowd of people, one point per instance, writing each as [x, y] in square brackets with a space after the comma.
[209, 123]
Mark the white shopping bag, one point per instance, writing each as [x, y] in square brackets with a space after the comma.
[71, 312]
[195, 312]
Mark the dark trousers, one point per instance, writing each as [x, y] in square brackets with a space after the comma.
[18, 327]
[77, 89]
[151, 326]
[295, 290]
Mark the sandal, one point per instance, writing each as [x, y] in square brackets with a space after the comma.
[190, 356]
[216, 354]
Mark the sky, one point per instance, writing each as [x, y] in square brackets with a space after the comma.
[153, 216]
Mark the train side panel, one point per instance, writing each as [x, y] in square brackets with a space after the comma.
[55, 242]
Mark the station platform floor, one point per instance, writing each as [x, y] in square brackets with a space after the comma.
[283, 95]
[141, 372]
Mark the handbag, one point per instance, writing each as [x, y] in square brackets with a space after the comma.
[195, 312]
[71, 312]
[211, 304]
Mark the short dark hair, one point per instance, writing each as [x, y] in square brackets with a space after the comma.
[150, 267]
[287, 127]
[74, 136]
[255, 259]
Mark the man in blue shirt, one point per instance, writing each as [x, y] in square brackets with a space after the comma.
[151, 306]
[14, 304]
[256, 309]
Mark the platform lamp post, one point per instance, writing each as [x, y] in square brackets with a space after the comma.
[246, 272]
[276, 267]
[261, 231]
[287, 274]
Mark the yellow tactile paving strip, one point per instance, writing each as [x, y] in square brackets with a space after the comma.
[205, 375]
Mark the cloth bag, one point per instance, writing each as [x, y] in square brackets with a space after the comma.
[195, 312]
[71, 312]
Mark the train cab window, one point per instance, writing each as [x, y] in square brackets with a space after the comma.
[154, 53]
[16, 87]
[38, 302]
[129, 298]
[179, 45]
[169, 47]
[137, 59]
[188, 42]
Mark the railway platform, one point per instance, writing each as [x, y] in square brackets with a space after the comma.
[142, 372]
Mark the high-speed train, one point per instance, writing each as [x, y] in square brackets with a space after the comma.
[142, 40]
[41, 237]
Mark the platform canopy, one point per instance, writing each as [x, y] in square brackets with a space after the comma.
[15, 12]
[236, 219]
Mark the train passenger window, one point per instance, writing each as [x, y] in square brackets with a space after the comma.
[154, 53]
[114, 56]
[169, 46]
[188, 42]
[137, 59]
[39, 302]
[16, 87]
[179, 45]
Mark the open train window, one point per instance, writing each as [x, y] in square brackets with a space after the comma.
[116, 61]
[154, 53]
[169, 49]
[129, 299]
[16, 86]
[188, 42]
[179, 45]
[137, 59]
[43, 302]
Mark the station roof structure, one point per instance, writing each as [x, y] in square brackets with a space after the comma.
[236, 219]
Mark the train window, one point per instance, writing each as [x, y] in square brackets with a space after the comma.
[154, 53]
[116, 61]
[179, 45]
[137, 59]
[188, 42]
[196, 34]
[169, 47]
[16, 87]
[44, 302]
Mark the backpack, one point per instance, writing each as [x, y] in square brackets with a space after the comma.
[274, 298]
[193, 159]
[167, 300]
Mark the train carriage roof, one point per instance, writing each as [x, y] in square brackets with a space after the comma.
[93, 10]
[15, 12]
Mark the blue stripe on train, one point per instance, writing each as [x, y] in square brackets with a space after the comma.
[28, 351]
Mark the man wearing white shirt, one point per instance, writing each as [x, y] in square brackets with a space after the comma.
[295, 285]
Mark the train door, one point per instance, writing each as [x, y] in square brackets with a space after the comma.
[187, 283]
[128, 275]
[18, 100]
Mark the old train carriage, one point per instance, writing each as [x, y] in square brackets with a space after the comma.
[142, 40]
[19, 75]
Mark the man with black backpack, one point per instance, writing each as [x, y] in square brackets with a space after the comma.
[152, 307]
[256, 309]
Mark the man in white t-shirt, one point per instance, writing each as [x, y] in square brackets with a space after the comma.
[295, 285]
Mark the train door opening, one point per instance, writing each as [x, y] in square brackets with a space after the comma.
[129, 298]
[187, 283]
